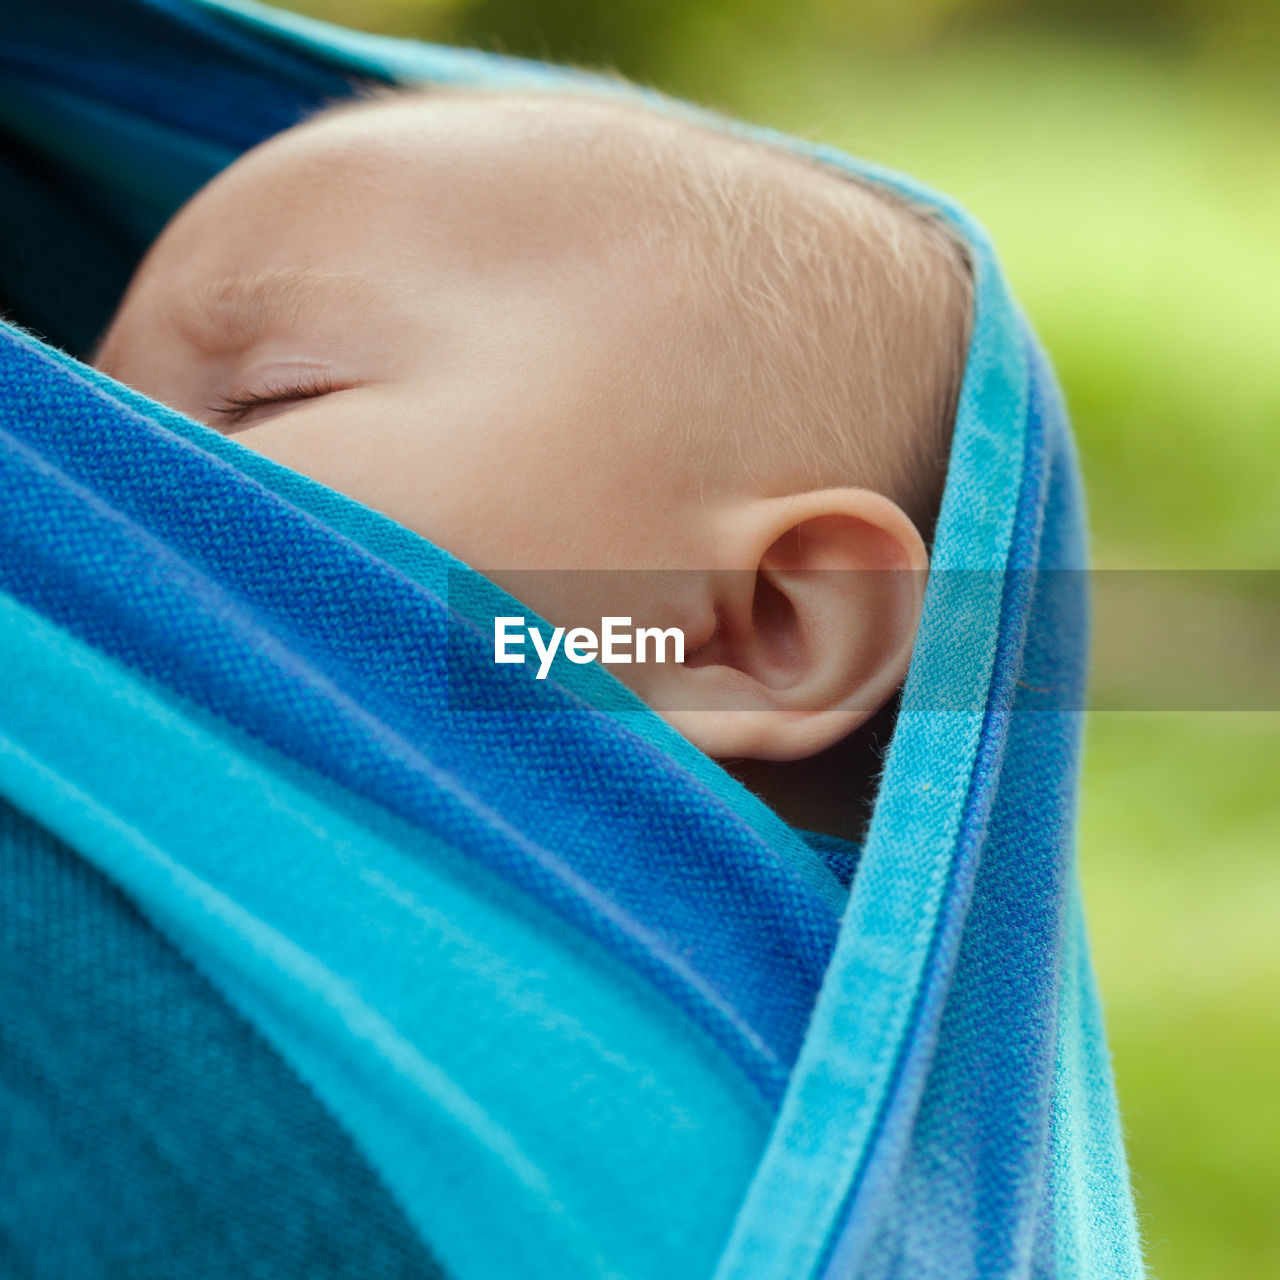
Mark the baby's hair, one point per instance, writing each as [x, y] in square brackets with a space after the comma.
[873, 293]
[857, 300]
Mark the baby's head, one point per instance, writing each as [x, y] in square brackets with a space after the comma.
[567, 332]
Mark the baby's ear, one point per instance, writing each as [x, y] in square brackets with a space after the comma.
[811, 641]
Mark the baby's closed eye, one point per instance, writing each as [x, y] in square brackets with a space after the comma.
[272, 391]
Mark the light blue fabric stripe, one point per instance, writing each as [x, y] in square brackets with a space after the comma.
[1095, 1225]
[388, 57]
[387, 971]
[842, 1082]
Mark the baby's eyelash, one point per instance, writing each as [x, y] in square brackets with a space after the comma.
[234, 408]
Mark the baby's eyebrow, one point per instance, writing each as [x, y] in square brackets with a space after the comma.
[228, 313]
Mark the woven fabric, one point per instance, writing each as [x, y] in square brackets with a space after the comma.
[124, 1073]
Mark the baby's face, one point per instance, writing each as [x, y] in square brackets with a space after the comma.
[446, 312]
[459, 341]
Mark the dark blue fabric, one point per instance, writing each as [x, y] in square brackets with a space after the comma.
[146, 1131]
[178, 564]
[67, 248]
[61, 269]
[839, 854]
[168, 61]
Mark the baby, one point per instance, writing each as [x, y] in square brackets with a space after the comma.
[560, 331]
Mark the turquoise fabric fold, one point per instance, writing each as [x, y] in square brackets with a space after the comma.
[444, 1017]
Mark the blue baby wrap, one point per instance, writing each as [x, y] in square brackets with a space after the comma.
[312, 967]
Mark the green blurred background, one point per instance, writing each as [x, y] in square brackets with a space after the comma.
[1126, 158]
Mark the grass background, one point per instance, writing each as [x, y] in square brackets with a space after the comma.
[1130, 174]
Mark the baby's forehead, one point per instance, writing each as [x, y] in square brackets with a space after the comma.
[585, 159]
[567, 131]
[768, 253]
